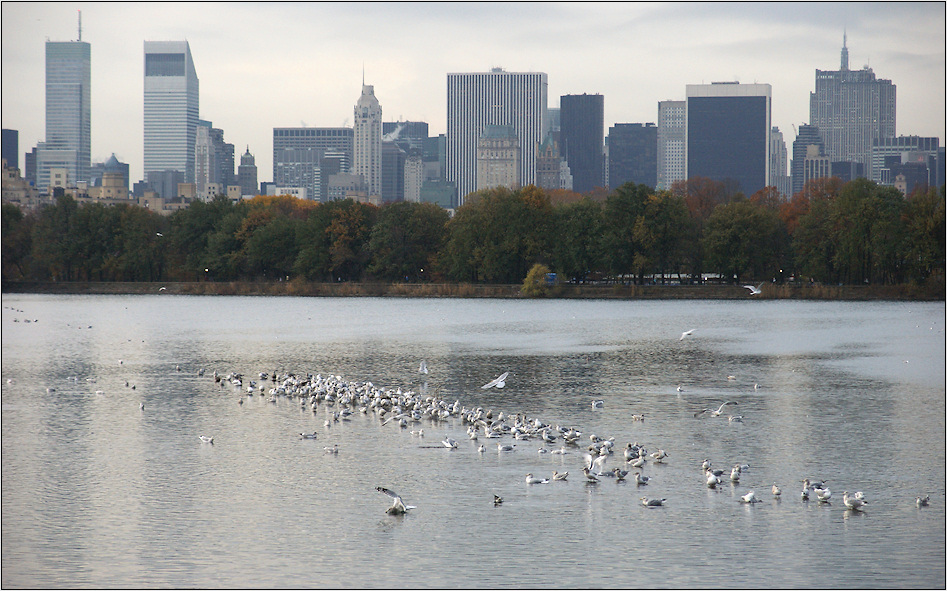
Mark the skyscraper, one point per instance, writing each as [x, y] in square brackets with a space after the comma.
[475, 100]
[778, 163]
[852, 109]
[367, 154]
[581, 139]
[246, 174]
[672, 143]
[171, 110]
[11, 147]
[305, 157]
[68, 142]
[632, 154]
[728, 127]
[808, 135]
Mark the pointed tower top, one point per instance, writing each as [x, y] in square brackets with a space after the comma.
[80, 25]
[844, 51]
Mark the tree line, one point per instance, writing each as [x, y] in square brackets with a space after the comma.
[830, 232]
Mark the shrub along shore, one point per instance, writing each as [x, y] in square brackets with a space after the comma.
[931, 291]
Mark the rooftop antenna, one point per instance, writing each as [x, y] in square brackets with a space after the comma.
[80, 25]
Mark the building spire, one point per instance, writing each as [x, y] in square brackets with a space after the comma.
[844, 67]
[80, 25]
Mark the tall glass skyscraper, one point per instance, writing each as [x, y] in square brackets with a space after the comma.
[171, 108]
[581, 139]
[476, 100]
[68, 142]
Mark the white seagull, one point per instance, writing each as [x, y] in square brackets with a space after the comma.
[505, 447]
[923, 501]
[499, 382]
[397, 507]
[852, 503]
[207, 439]
[652, 502]
[754, 290]
[776, 491]
[715, 413]
[559, 475]
[687, 333]
[530, 479]
[450, 442]
[750, 498]
[423, 368]
[639, 479]
[824, 494]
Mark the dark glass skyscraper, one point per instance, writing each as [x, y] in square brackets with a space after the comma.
[632, 154]
[581, 139]
[728, 127]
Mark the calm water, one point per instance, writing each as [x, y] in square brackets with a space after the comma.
[98, 493]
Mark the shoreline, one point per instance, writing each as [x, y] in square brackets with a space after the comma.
[468, 290]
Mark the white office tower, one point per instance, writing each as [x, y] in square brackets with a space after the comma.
[366, 157]
[171, 108]
[497, 97]
[672, 142]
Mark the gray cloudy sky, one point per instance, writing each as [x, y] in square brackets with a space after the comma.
[266, 65]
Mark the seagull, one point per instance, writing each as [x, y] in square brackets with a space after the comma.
[423, 368]
[754, 290]
[159, 234]
[505, 447]
[715, 413]
[162, 288]
[852, 503]
[637, 417]
[735, 474]
[652, 502]
[588, 475]
[308, 435]
[598, 404]
[499, 382]
[659, 456]
[687, 333]
[559, 475]
[923, 501]
[639, 479]
[824, 495]
[620, 474]
[497, 500]
[481, 449]
[712, 480]
[450, 442]
[331, 450]
[207, 439]
[397, 507]
[750, 497]
[530, 479]
[595, 465]
[776, 491]
[735, 418]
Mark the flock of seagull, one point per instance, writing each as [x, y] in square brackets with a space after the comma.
[406, 409]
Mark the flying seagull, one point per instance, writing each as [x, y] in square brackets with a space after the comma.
[687, 333]
[715, 413]
[397, 507]
[499, 382]
[754, 290]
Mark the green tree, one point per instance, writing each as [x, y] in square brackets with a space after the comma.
[405, 240]
[534, 285]
[17, 243]
[924, 233]
[348, 233]
[661, 234]
[577, 250]
[622, 209]
[868, 232]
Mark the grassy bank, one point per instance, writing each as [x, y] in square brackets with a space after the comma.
[935, 291]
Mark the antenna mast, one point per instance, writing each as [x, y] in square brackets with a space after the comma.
[80, 25]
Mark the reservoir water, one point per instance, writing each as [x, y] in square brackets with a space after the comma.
[100, 492]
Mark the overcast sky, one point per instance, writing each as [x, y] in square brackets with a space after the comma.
[266, 65]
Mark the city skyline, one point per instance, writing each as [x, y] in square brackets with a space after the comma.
[634, 54]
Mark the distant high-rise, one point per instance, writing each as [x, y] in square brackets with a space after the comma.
[367, 154]
[305, 157]
[778, 163]
[808, 135]
[632, 154]
[475, 100]
[11, 147]
[68, 142]
[728, 127]
[171, 111]
[672, 143]
[214, 158]
[499, 158]
[246, 174]
[852, 109]
[581, 139]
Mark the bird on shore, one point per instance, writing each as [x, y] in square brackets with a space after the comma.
[397, 507]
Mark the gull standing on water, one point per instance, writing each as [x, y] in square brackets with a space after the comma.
[397, 507]
[652, 502]
[423, 368]
[530, 479]
[207, 439]
[852, 503]
[923, 501]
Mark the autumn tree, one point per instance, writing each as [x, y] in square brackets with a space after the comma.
[405, 240]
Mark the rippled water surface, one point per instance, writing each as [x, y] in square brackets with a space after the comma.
[99, 493]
